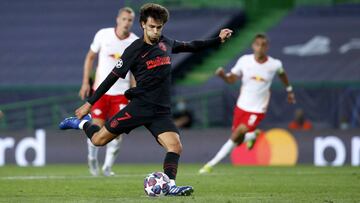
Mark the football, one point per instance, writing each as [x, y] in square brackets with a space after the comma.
[156, 184]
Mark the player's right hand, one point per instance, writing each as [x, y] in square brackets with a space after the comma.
[220, 71]
[84, 91]
[83, 110]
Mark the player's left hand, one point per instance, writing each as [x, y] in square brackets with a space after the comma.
[291, 98]
[83, 110]
[225, 34]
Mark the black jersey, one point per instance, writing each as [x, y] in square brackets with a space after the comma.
[151, 67]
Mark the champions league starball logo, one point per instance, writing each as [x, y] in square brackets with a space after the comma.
[119, 64]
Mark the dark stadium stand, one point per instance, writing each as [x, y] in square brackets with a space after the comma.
[329, 44]
[318, 44]
[319, 47]
[45, 42]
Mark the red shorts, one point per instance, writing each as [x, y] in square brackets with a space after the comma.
[107, 106]
[249, 119]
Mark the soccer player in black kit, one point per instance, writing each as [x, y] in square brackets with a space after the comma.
[148, 59]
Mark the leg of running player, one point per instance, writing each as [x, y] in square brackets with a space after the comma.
[113, 147]
[112, 152]
[250, 138]
[93, 151]
[171, 142]
[236, 138]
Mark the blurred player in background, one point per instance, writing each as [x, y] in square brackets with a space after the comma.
[1, 114]
[108, 45]
[256, 72]
[149, 60]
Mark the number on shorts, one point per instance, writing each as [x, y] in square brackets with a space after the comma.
[252, 119]
[121, 106]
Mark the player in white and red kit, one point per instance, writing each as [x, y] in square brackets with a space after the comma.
[108, 44]
[256, 71]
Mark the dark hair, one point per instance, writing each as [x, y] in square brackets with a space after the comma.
[156, 11]
[260, 36]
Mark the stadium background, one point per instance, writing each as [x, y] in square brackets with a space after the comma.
[43, 45]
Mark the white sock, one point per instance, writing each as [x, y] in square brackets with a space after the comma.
[112, 152]
[172, 182]
[250, 136]
[92, 150]
[222, 153]
[81, 124]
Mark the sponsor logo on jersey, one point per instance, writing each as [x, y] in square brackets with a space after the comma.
[158, 61]
[115, 56]
[258, 78]
[119, 64]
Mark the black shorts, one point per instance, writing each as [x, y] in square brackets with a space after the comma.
[156, 119]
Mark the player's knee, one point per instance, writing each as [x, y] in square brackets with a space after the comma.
[238, 135]
[238, 139]
[98, 141]
[241, 130]
[176, 147]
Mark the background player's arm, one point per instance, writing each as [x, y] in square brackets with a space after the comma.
[88, 66]
[198, 45]
[227, 77]
[284, 79]
[100, 91]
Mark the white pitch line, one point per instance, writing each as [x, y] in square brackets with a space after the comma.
[64, 177]
[42, 177]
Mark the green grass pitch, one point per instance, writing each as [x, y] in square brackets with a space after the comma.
[72, 183]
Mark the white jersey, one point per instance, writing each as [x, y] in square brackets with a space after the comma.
[110, 48]
[256, 81]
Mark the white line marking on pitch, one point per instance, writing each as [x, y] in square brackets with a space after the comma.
[40, 177]
[63, 177]
[59, 177]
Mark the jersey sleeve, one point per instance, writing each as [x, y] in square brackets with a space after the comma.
[122, 67]
[237, 69]
[96, 43]
[194, 46]
[279, 67]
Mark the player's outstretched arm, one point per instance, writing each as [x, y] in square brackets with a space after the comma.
[291, 95]
[225, 34]
[227, 77]
[198, 45]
